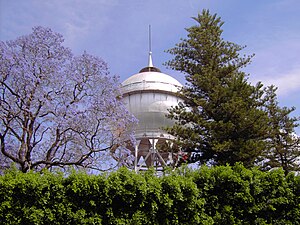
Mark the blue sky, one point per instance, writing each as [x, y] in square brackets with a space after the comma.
[117, 31]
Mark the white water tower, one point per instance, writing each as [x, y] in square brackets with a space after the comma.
[148, 95]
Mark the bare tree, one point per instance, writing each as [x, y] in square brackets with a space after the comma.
[58, 110]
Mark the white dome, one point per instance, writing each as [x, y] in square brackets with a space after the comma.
[148, 95]
[150, 81]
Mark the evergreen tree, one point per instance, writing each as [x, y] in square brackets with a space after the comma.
[221, 116]
[284, 144]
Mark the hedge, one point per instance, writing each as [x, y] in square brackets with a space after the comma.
[217, 195]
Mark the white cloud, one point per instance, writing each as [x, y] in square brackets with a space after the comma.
[77, 20]
[277, 62]
[288, 83]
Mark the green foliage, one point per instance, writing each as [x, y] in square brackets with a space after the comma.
[31, 198]
[284, 144]
[217, 195]
[180, 201]
[222, 115]
[236, 195]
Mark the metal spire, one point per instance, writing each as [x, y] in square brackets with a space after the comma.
[150, 67]
[150, 64]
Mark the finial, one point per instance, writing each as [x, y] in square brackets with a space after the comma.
[150, 64]
[150, 67]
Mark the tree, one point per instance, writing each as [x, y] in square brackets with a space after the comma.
[284, 144]
[56, 109]
[221, 117]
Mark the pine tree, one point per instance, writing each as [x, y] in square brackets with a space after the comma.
[284, 144]
[221, 117]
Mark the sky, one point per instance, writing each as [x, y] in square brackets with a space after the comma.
[117, 31]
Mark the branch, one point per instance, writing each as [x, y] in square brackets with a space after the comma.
[3, 150]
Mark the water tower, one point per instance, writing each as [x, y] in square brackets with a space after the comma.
[148, 95]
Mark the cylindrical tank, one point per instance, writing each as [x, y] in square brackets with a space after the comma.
[148, 95]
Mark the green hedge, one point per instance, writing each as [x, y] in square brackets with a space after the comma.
[218, 195]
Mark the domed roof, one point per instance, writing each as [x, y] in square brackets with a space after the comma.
[150, 78]
[150, 81]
